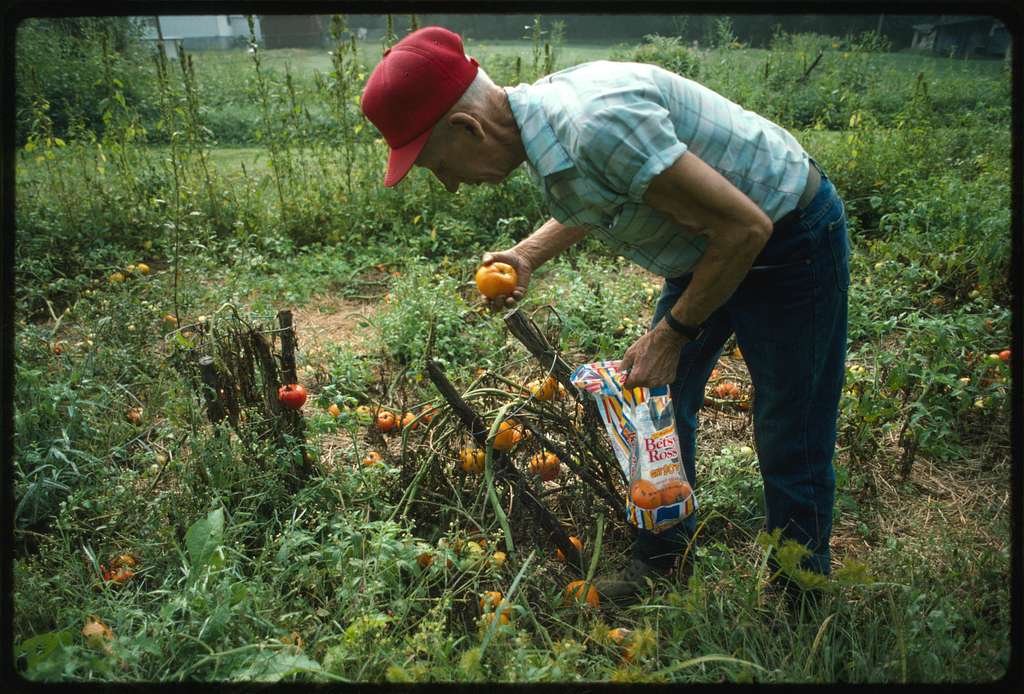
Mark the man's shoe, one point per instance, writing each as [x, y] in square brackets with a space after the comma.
[786, 593]
[625, 587]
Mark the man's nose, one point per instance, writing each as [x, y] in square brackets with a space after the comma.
[450, 184]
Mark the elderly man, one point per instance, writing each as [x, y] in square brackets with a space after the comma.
[747, 231]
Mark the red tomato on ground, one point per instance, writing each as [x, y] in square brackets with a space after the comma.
[291, 396]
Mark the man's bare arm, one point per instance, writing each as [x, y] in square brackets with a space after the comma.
[549, 240]
[697, 196]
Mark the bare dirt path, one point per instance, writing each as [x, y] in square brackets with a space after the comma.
[327, 322]
[331, 320]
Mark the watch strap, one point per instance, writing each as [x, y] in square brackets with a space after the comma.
[689, 331]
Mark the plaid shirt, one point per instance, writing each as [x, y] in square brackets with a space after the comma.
[597, 133]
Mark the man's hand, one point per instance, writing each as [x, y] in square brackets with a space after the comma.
[651, 361]
[523, 272]
[529, 254]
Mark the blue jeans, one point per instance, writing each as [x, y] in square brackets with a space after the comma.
[789, 316]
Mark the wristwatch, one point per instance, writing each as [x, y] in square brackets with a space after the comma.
[692, 332]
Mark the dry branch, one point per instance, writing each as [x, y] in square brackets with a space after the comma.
[288, 371]
[271, 382]
[293, 421]
[807, 72]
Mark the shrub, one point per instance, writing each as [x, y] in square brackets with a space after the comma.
[664, 51]
[62, 60]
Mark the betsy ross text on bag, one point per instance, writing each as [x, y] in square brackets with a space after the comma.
[641, 426]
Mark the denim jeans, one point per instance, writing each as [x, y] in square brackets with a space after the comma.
[789, 316]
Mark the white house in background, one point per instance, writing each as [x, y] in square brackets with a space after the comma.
[200, 32]
[976, 37]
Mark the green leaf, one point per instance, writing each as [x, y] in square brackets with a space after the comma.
[239, 592]
[397, 673]
[40, 647]
[273, 667]
[205, 535]
[469, 662]
[768, 540]
[853, 573]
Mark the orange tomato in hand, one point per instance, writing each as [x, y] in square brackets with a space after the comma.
[496, 279]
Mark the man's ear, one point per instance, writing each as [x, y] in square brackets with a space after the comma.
[461, 119]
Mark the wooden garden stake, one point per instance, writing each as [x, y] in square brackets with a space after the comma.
[288, 371]
[211, 389]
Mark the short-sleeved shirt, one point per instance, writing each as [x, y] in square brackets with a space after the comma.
[597, 133]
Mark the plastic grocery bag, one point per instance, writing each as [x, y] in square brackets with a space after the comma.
[642, 428]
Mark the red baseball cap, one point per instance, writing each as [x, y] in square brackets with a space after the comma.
[413, 86]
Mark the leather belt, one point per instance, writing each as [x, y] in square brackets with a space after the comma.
[810, 190]
[811, 187]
